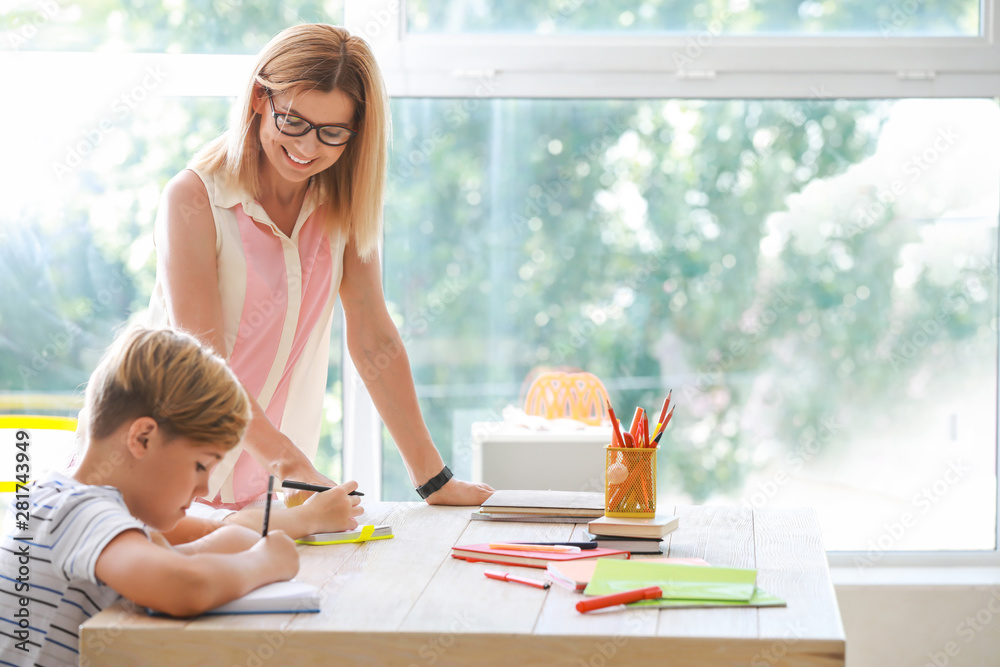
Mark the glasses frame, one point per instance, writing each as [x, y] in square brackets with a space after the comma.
[275, 114]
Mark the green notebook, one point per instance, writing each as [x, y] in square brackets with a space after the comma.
[682, 585]
[760, 599]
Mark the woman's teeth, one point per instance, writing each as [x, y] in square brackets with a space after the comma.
[295, 159]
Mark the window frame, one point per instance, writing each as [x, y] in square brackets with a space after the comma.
[585, 66]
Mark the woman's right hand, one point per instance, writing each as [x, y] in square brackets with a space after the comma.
[300, 470]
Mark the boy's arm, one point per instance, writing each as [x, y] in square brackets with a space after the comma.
[191, 528]
[225, 540]
[187, 585]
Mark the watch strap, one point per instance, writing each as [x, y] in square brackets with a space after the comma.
[434, 483]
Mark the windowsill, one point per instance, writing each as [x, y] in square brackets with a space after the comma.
[916, 576]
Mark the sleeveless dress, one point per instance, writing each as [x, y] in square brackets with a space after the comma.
[278, 295]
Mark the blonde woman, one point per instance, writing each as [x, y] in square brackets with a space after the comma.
[256, 239]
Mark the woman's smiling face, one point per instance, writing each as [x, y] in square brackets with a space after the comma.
[296, 159]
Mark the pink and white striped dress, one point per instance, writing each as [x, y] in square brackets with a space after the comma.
[278, 294]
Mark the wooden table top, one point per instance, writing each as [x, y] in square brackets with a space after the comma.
[405, 601]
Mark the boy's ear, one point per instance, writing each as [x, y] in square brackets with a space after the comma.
[140, 431]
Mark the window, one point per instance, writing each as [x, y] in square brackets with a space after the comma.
[815, 280]
[853, 17]
[785, 212]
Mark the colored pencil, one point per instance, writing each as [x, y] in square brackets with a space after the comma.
[614, 423]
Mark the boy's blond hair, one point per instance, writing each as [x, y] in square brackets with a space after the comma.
[324, 58]
[169, 376]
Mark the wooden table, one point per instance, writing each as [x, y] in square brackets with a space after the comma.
[405, 601]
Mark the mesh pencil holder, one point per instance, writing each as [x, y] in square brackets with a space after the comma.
[630, 481]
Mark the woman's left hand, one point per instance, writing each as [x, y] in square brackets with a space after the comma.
[457, 492]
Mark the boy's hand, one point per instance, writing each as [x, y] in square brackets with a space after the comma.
[280, 555]
[302, 471]
[332, 511]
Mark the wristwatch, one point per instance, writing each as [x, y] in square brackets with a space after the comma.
[434, 483]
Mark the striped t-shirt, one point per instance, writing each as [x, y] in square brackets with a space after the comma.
[48, 586]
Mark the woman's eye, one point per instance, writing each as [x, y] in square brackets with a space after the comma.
[294, 123]
[200, 468]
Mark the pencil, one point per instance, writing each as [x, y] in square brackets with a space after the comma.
[666, 404]
[656, 440]
[303, 486]
[614, 423]
[267, 504]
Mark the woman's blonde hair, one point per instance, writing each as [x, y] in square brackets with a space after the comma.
[169, 376]
[325, 58]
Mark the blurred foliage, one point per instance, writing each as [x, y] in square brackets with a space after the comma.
[155, 26]
[626, 237]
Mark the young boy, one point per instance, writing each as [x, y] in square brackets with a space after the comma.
[162, 411]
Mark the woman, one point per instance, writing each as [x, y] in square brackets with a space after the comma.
[256, 239]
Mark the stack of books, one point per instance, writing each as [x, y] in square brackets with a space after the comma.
[542, 506]
[637, 536]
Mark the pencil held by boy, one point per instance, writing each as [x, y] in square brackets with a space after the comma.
[163, 411]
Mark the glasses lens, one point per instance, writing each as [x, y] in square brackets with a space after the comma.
[291, 125]
[335, 136]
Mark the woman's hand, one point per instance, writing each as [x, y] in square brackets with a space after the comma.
[300, 470]
[457, 492]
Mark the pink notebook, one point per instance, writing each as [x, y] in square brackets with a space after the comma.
[539, 559]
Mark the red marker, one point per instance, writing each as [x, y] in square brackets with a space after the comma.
[634, 426]
[602, 601]
[503, 576]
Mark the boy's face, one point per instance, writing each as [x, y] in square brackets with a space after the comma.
[172, 474]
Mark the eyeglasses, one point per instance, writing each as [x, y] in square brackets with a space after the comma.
[293, 126]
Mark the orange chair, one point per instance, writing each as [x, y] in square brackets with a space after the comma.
[579, 396]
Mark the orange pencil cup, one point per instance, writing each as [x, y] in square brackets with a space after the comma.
[630, 481]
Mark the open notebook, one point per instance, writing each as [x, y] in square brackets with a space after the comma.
[282, 597]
